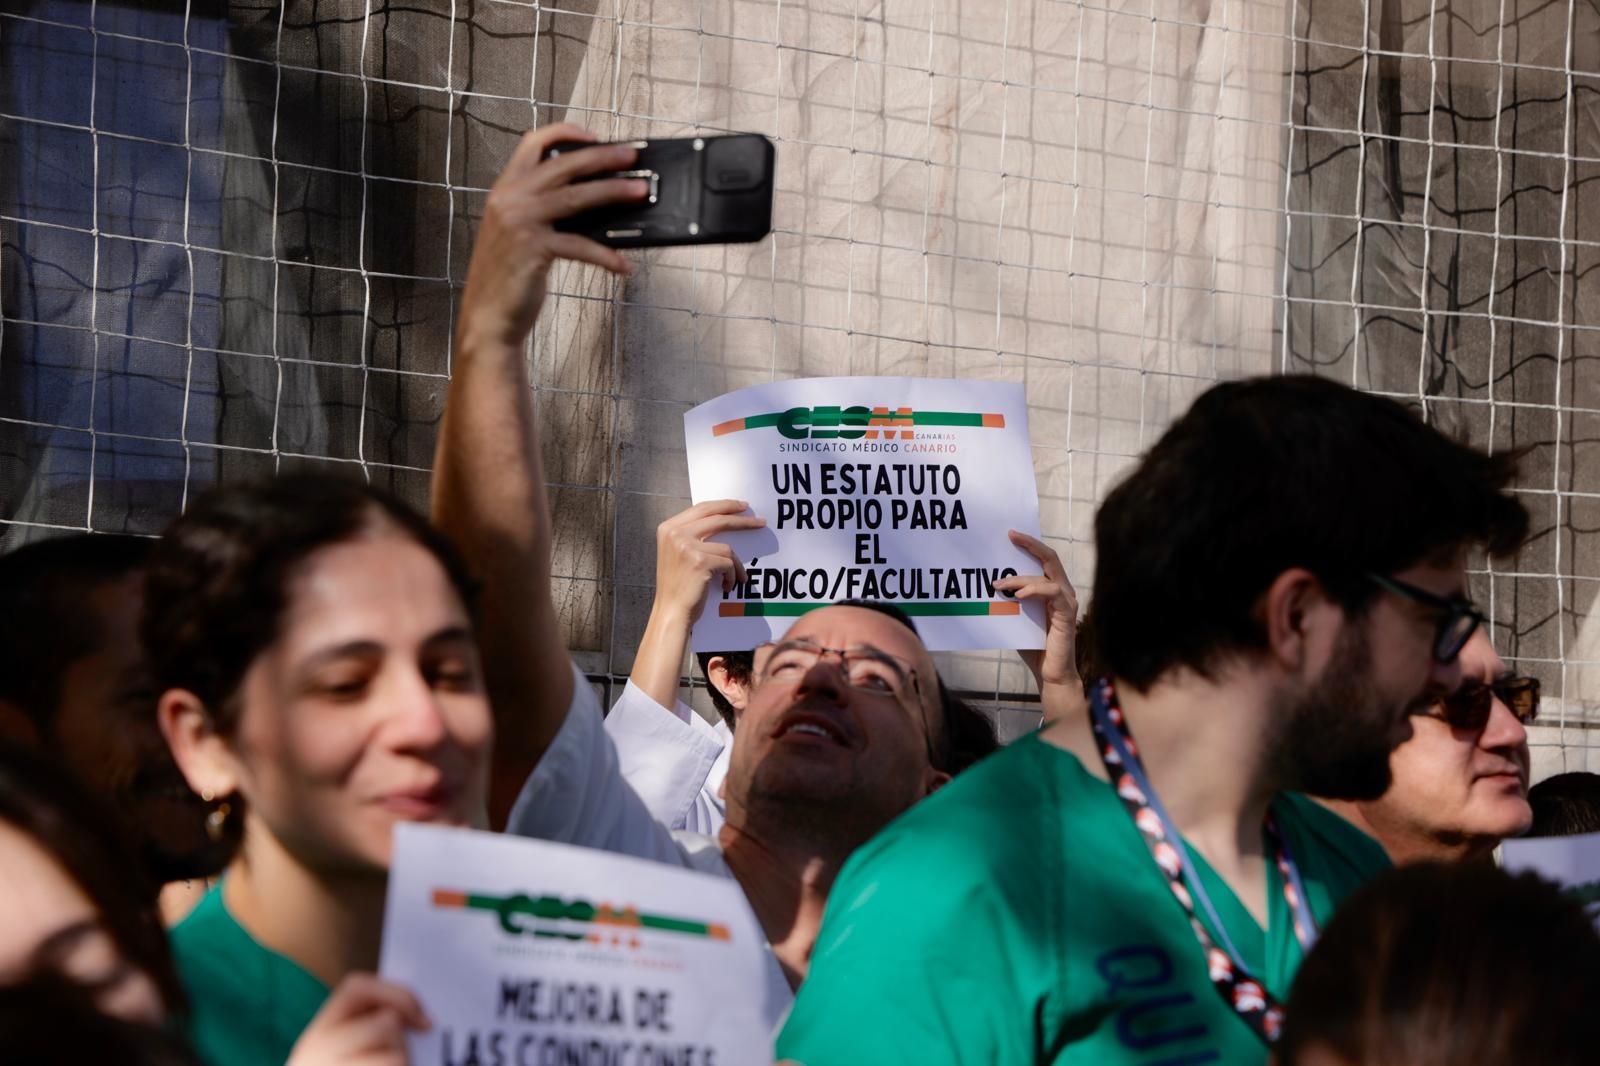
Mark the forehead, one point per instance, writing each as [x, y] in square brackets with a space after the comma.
[1479, 660]
[843, 627]
[381, 586]
[116, 608]
[1444, 575]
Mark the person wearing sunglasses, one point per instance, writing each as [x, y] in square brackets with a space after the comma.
[1460, 784]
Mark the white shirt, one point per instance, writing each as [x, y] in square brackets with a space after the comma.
[674, 760]
[577, 795]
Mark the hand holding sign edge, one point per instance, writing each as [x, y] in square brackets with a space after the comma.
[1055, 668]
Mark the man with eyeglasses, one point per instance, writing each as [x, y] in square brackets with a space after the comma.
[847, 726]
[1461, 782]
[1279, 587]
[677, 764]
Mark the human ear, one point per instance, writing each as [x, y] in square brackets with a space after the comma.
[734, 689]
[935, 780]
[198, 749]
[1298, 619]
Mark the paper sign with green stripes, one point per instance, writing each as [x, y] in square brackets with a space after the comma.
[857, 423]
[548, 913]
[921, 609]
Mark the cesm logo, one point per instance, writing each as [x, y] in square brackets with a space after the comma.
[856, 423]
[520, 914]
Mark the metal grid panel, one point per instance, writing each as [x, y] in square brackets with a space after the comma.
[234, 231]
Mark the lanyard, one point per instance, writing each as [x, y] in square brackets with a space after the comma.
[1233, 981]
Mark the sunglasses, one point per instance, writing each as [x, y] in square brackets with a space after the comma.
[1458, 618]
[1468, 707]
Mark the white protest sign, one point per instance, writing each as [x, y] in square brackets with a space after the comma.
[1573, 862]
[892, 489]
[523, 951]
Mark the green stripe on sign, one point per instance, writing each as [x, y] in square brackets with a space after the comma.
[790, 609]
[948, 418]
[762, 421]
[946, 609]
[673, 925]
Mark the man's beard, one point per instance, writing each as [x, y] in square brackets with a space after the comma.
[1337, 737]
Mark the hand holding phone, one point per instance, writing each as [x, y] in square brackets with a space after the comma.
[517, 240]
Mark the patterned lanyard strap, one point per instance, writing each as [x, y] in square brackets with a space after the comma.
[1232, 979]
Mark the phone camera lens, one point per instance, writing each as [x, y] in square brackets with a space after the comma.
[735, 164]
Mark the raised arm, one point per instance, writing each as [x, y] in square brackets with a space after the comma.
[687, 562]
[488, 479]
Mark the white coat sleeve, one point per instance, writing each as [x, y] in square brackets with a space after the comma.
[666, 755]
[577, 794]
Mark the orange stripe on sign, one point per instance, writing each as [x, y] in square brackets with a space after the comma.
[1003, 607]
[730, 610]
[445, 898]
[994, 421]
[724, 428]
[718, 932]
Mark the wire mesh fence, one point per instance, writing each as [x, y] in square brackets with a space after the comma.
[234, 231]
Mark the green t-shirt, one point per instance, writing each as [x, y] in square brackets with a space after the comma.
[247, 1004]
[1018, 918]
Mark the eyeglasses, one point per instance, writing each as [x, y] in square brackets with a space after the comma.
[1458, 618]
[865, 667]
[1468, 708]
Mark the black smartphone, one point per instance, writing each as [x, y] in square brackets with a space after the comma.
[703, 190]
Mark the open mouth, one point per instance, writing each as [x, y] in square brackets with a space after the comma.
[815, 729]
